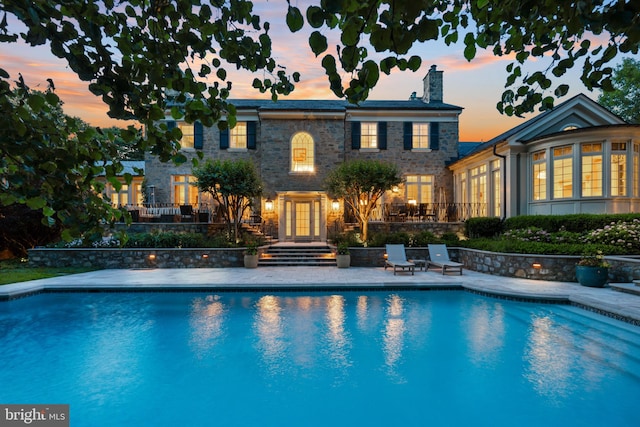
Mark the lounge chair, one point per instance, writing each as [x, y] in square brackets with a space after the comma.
[439, 257]
[397, 259]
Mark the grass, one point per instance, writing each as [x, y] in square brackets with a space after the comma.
[13, 271]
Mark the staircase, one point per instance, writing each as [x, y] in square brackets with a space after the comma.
[307, 254]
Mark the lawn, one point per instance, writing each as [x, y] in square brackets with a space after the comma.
[12, 271]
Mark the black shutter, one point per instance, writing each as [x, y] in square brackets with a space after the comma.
[224, 139]
[355, 135]
[434, 135]
[251, 135]
[382, 135]
[171, 124]
[197, 136]
[408, 135]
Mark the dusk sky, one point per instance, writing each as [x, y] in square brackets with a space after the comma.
[476, 86]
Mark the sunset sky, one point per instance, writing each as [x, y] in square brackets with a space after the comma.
[476, 86]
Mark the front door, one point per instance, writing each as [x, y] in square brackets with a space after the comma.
[302, 219]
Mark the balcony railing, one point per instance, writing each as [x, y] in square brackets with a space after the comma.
[169, 212]
[426, 212]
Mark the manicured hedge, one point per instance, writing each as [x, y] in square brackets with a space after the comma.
[575, 223]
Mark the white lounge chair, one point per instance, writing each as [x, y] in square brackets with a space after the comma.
[397, 259]
[439, 257]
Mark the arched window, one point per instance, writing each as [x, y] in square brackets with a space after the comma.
[302, 153]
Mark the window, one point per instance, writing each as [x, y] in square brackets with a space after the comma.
[369, 135]
[419, 188]
[570, 127]
[119, 198]
[184, 192]
[540, 175]
[479, 190]
[302, 153]
[563, 172]
[618, 168]
[238, 136]
[636, 170]
[187, 140]
[591, 169]
[496, 185]
[420, 135]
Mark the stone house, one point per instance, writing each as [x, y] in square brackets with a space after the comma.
[295, 143]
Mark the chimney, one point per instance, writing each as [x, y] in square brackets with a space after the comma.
[432, 86]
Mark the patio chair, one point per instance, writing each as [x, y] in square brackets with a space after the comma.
[186, 213]
[439, 257]
[397, 259]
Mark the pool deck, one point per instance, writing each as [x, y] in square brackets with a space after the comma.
[622, 305]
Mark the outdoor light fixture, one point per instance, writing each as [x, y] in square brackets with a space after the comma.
[413, 202]
[152, 256]
[268, 205]
[335, 205]
[205, 256]
[395, 189]
[536, 265]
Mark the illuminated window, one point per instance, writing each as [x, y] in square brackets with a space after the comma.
[419, 188]
[570, 127]
[636, 170]
[184, 192]
[479, 190]
[118, 198]
[563, 172]
[369, 135]
[302, 153]
[619, 169]
[540, 175]
[187, 140]
[591, 169]
[420, 135]
[496, 186]
[238, 136]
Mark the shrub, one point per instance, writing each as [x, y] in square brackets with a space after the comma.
[623, 234]
[483, 227]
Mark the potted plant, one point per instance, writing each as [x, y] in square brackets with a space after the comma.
[592, 270]
[343, 258]
[251, 255]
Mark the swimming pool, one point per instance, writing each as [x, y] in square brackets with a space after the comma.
[379, 358]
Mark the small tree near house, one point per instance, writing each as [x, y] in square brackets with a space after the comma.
[234, 185]
[361, 183]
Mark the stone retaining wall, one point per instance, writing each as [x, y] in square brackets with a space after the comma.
[539, 267]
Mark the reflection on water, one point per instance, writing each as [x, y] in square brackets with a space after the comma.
[394, 330]
[485, 332]
[270, 331]
[338, 342]
[207, 324]
[547, 358]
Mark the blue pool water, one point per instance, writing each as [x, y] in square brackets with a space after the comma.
[445, 358]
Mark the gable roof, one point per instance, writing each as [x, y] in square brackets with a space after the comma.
[526, 131]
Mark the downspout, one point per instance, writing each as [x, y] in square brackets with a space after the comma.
[504, 181]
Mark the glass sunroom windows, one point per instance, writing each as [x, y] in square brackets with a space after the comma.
[591, 169]
[618, 169]
[540, 175]
[563, 172]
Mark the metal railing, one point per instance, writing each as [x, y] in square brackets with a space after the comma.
[425, 212]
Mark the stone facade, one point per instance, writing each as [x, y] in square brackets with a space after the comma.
[329, 125]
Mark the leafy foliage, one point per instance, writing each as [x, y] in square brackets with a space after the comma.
[528, 30]
[21, 229]
[361, 183]
[50, 163]
[576, 223]
[233, 184]
[624, 100]
[483, 227]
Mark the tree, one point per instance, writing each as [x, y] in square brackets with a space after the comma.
[625, 99]
[361, 183]
[539, 30]
[50, 162]
[233, 184]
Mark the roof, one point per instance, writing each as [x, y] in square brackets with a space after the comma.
[529, 123]
[337, 105]
[130, 166]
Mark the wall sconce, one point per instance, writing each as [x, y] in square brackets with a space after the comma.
[335, 205]
[536, 265]
[268, 205]
[395, 189]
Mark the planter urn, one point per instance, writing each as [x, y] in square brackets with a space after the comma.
[251, 261]
[594, 277]
[343, 261]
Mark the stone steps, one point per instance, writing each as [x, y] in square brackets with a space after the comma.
[298, 255]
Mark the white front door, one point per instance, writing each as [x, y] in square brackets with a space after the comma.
[302, 219]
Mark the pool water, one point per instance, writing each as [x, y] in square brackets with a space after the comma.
[441, 358]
